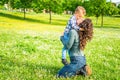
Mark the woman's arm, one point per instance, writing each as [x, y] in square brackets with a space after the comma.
[70, 41]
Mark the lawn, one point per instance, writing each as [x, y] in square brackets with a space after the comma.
[31, 50]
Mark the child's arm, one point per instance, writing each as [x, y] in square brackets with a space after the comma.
[74, 24]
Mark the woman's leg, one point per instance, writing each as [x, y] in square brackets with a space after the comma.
[80, 61]
[73, 67]
[67, 71]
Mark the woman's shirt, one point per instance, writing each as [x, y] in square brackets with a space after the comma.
[72, 44]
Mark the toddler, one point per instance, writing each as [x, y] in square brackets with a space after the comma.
[73, 23]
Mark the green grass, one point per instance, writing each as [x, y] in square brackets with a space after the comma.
[31, 50]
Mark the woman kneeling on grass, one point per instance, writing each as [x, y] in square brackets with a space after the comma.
[75, 45]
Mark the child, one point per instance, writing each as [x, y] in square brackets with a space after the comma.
[73, 23]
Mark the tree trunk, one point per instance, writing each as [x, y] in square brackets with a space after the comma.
[102, 20]
[24, 12]
[96, 20]
[50, 12]
[9, 5]
[50, 17]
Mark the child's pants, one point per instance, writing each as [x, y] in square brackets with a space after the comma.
[64, 49]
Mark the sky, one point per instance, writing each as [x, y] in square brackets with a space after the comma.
[115, 0]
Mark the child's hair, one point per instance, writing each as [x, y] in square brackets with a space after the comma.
[77, 10]
[87, 34]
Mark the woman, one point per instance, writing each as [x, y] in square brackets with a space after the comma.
[76, 44]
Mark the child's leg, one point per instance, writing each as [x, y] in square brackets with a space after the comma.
[66, 35]
[64, 51]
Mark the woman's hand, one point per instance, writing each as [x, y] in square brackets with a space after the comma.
[81, 29]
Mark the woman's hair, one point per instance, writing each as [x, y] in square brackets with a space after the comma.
[77, 10]
[87, 34]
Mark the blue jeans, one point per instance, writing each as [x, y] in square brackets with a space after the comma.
[64, 50]
[66, 34]
[77, 62]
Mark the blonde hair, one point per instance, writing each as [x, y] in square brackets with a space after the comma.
[77, 10]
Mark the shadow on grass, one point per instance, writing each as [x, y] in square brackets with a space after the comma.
[29, 19]
[12, 63]
[60, 20]
[21, 18]
[105, 26]
[117, 16]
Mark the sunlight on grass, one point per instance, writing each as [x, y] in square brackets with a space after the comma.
[37, 55]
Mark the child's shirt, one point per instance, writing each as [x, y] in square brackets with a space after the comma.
[72, 24]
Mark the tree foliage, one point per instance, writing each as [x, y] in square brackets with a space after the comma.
[38, 6]
[102, 8]
[70, 5]
[53, 6]
[111, 9]
[118, 9]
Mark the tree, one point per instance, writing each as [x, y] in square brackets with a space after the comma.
[98, 8]
[87, 6]
[53, 6]
[118, 9]
[2, 2]
[17, 4]
[38, 6]
[23, 4]
[111, 9]
[102, 8]
[70, 5]
[10, 3]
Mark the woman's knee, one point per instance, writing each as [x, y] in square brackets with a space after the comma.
[66, 74]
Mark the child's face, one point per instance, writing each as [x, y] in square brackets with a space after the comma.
[80, 14]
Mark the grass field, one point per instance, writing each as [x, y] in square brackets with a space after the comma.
[31, 50]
